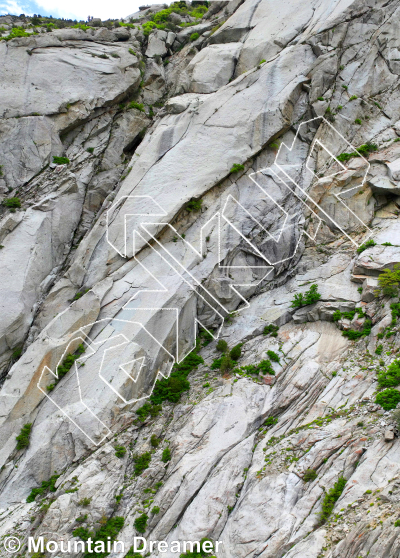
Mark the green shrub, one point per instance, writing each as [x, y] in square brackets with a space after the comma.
[90, 149]
[226, 364]
[154, 441]
[331, 497]
[155, 510]
[12, 203]
[388, 399]
[309, 475]
[84, 502]
[309, 297]
[222, 345]
[150, 25]
[205, 336]
[141, 523]
[366, 245]
[60, 160]
[216, 364]
[24, 436]
[379, 349]
[66, 365]
[170, 389]
[15, 34]
[81, 532]
[107, 533]
[141, 462]
[120, 451]
[389, 281]
[353, 334]
[358, 121]
[270, 421]
[194, 205]
[194, 36]
[271, 329]
[363, 150]
[265, 367]
[81, 26]
[237, 167]
[81, 518]
[46, 486]
[236, 352]
[273, 356]
[397, 523]
[166, 455]
[135, 105]
[353, 98]
[391, 377]
[80, 294]
[148, 409]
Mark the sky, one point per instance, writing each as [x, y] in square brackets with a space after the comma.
[74, 9]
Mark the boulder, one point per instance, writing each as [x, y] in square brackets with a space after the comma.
[156, 45]
[370, 286]
[389, 435]
[213, 67]
[374, 260]
[176, 105]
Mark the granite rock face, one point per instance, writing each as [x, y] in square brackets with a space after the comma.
[207, 181]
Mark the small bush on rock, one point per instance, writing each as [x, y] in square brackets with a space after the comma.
[194, 36]
[309, 475]
[222, 345]
[391, 377]
[46, 486]
[236, 352]
[270, 421]
[273, 356]
[388, 399]
[141, 523]
[142, 462]
[226, 364]
[371, 242]
[271, 329]
[309, 297]
[61, 160]
[135, 105]
[166, 455]
[237, 167]
[148, 409]
[331, 498]
[389, 281]
[265, 368]
[194, 205]
[170, 389]
[12, 203]
[24, 436]
[120, 451]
